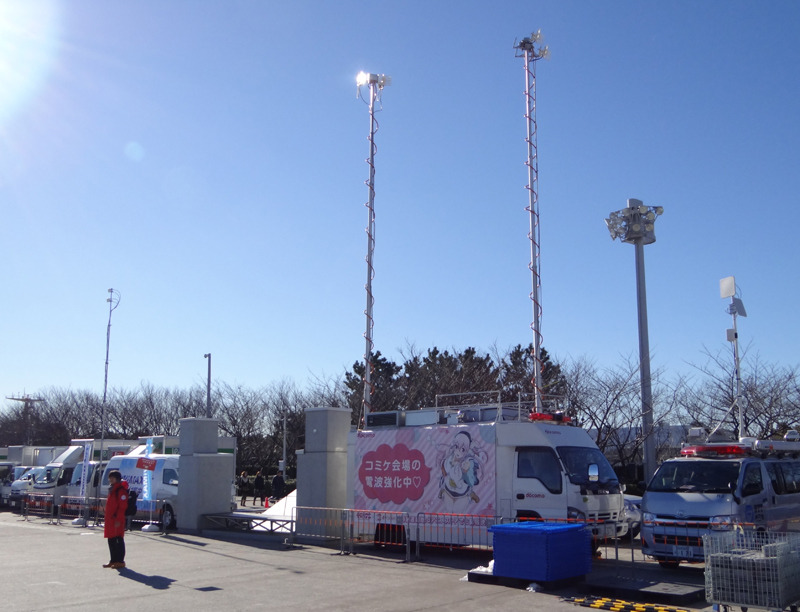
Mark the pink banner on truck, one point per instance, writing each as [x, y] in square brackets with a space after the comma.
[442, 469]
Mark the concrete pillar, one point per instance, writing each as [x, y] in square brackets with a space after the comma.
[205, 475]
[322, 466]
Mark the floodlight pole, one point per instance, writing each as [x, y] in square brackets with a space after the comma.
[644, 364]
[636, 225]
[375, 84]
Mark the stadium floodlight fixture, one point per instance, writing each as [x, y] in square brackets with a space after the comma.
[634, 224]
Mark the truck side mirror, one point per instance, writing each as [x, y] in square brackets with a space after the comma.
[594, 473]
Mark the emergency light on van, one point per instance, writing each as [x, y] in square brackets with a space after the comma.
[558, 417]
[714, 450]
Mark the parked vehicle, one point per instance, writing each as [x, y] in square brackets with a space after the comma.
[21, 486]
[77, 495]
[499, 463]
[164, 482]
[55, 478]
[8, 474]
[17, 457]
[633, 516]
[713, 487]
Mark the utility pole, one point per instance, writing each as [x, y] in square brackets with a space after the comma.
[27, 408]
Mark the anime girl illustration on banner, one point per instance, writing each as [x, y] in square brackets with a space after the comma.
[461, 471]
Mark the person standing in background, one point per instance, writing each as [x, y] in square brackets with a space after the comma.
[278, 485]
[259, 488]
[114, 522]
[243, 483]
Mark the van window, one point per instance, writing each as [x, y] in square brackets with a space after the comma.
[65, 476]
[170, 476]
[540, 463]
[701, 476]
[775, 477]
[791, 475]
[752, 482]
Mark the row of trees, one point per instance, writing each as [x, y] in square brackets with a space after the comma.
[605, 400]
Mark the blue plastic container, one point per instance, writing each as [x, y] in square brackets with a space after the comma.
[542, 552]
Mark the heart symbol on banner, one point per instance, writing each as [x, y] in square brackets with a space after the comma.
[417, 481]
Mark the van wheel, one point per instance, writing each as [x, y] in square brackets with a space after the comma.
[168, 517]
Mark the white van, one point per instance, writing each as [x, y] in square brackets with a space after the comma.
[164, 482]
[73, 501]
[714, 486]
[55, 477]
[9, 477]
[21, 486]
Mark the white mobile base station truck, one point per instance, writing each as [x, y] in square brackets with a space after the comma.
[498, 463]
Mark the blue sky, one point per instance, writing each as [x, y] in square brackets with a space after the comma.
[206, 158]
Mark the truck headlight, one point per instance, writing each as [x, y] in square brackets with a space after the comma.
[721, 523]
[648, 517]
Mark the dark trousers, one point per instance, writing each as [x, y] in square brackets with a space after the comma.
[116, 546]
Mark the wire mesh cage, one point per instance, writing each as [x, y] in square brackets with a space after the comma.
[751, 568]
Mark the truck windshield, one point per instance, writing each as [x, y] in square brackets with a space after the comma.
[701, 476]
[577, 459]
[47, 475]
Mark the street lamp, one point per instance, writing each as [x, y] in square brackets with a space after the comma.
[208, 387]
[636, 225]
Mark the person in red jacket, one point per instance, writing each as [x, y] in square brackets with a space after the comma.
[114, 525]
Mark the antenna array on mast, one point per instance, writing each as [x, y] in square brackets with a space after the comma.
[531, 50]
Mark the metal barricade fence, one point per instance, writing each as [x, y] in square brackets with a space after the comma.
[347, 527]
[381, 527]
[76, 507]
[328, 524]
[40, 505]
[448, 530]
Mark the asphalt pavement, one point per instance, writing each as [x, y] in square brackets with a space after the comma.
[48, 566]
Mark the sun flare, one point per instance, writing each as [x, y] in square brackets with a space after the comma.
[28, 42]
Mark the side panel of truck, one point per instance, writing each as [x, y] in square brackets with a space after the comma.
[438, 469]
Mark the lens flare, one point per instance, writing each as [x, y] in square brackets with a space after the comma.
[28, 44]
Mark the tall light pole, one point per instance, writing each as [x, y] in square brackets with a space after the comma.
[532, 50]
[208, 387]
[636, 225]
[375, 84]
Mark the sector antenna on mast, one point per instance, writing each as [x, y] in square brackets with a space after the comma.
[532, 50]
[727, 289]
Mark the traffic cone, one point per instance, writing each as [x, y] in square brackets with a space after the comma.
[266, 502]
